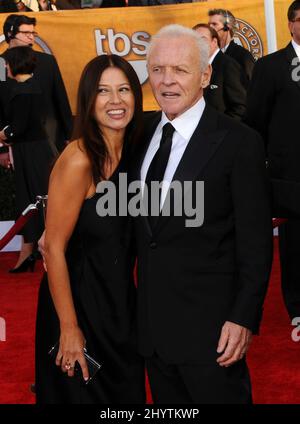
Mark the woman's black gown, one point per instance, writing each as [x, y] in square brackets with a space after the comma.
[22, 109]
[100, 264]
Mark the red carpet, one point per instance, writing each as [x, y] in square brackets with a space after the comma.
[274, 358]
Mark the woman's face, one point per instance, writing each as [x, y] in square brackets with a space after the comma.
[114, 106]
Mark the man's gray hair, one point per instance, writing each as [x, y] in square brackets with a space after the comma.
[227, 17]
[177, 31]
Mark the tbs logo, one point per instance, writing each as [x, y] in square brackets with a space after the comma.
[121, 44]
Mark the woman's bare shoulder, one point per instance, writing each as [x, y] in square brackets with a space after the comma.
[74, 158]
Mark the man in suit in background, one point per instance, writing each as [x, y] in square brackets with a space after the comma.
[19, 30]
[225, 92]
[8, 6]
[224, 23]
[273, 110]
[200, 289]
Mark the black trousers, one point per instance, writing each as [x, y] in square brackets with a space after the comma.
[198, 384]
[289, 247]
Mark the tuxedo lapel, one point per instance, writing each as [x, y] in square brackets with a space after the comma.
[293, 62]
[200, 149]
[202, 146]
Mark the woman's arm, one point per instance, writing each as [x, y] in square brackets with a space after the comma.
[69, 185]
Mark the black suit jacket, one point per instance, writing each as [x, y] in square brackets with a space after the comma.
[273, 110]
[192, 280]
[226, 92]
[7, 6]
[244, 59]
[56, 104]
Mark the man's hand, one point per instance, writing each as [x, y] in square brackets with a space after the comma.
[234, 343]
[4, 160]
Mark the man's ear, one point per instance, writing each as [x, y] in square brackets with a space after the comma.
[290, 25]
[206, 75]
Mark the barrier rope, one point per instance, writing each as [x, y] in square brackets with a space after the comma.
[32, 210]
[25, 216]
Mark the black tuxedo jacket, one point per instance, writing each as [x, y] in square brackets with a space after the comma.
[192, 280]
[273, 110]
[56, 104]
[244, 59]
[226, 92]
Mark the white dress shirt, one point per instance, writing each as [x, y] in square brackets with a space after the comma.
[296, 48]
[225, 47]
[211, 59]
[185, 126]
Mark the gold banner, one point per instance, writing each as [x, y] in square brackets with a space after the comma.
[75, 37]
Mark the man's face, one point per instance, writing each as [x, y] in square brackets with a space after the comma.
[25, 36]
[217, 22]
[212, 42]
[175, 75]
[294, 27]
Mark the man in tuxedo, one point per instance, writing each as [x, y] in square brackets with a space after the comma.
[225, 91]
[224, 23]
[200, 288]
[273, 110]
[19, 30]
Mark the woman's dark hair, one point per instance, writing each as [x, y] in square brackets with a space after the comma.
[21, 60]
[12, 25]
[86, 127]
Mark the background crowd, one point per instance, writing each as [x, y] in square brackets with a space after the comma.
[8, 6]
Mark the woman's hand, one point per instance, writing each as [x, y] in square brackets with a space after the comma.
[71, 345]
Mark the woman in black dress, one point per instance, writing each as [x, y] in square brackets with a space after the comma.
[23, 126]
[88, 298]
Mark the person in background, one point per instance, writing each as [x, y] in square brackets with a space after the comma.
[22, 118]
[88, 298]
[225, 91]
[27, 5]
[8, 6]
[46, 5]
[224, 23]
[273, 110]
[84, 4]
[19, 31]
[157, 2]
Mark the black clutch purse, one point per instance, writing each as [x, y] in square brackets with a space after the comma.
[92, 364]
